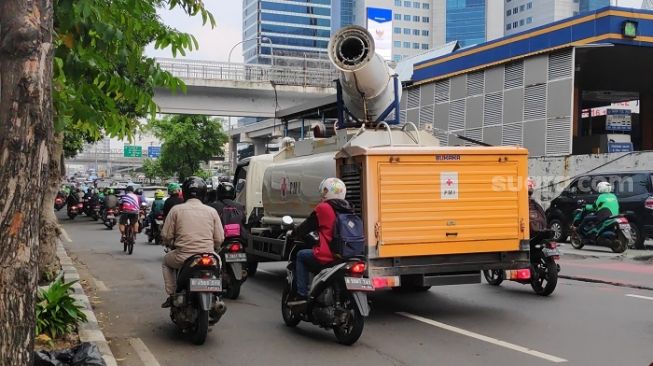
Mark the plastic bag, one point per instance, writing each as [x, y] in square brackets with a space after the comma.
[86, 354]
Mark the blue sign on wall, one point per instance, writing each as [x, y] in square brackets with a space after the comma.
[153, 151]
[615, 147]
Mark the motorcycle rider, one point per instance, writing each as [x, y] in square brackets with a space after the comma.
[174, 192]
[537, 217]
[226, 193]
[322, 220]
[606, 205]
[157, 207]
[190, 228]
[129, 209]
[110, 199]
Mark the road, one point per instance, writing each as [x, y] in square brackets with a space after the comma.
[580, 324]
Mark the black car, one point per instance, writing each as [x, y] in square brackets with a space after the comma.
[634, 189]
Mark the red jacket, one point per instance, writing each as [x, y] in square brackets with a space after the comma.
[326, 219]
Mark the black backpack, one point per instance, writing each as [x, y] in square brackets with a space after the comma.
[348, 235]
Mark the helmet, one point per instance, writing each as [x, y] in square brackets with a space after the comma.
[159, 194]
[194, 187]
[226, 190]
[173, 188]
[129, 189]
[604, 187]
[109, 191]
[139, 191]
[531, 186]
[333, 188]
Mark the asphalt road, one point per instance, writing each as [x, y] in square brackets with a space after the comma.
[580, 324]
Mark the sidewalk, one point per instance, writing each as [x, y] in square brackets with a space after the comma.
[633, 268]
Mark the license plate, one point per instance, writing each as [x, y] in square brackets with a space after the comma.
[625, 228]
[205, 285]
[550, 252]
[159, 222]
[110, 217]
[359, 284]
[235, 257]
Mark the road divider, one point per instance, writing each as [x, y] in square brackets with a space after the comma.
[484, 338]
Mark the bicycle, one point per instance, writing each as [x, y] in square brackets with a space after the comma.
[128, 244]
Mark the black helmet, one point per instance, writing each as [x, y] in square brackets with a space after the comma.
[226, 190]
[194, 187]
[139, 191]
[129, 189]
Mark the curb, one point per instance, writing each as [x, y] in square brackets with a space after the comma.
[612, 283]
[89, 331]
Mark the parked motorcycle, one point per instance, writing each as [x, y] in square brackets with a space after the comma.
[197, 303]
[337, 297]
[614, 232]
[109, 217]
[59, 201]
[543, 273]
[234, 272]
[74, 210]
[154, 230]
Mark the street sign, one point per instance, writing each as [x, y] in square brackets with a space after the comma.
[153, 151]
[614, 147]
[618, 120]
[132, 151]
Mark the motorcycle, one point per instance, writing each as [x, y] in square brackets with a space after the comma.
[74, 210]
[59, 201]
[109, 218]
[234, 273]
[543, 272]
[95, 211]
[197, 303]
[337, 297]
[614, 232]
[154, 230]
[142, 216]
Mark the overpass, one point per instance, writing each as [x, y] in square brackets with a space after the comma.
[240, 90]
[112, 159]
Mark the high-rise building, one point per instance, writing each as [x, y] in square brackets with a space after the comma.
[521, 15]
[286, 33]
[469, 22]
[589, 5]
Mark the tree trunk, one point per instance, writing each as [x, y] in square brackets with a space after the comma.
[26, 134]
[50, 230]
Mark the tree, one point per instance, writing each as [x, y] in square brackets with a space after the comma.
[99, 82]
[26, 138]
[152, 169]
[188, 140]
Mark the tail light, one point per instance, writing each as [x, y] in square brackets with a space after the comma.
[649, 203]
[58, 200]
[552, 245]
[206, 261]
[80, 205]
[357, 269]
[159, 217]
[235, 247]
[524, 274]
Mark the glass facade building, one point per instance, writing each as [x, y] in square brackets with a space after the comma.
[466, 21]
[589, 5]
[286, 33]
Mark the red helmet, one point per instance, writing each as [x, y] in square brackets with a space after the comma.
[530, 183]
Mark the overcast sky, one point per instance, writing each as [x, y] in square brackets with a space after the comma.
[215, 43]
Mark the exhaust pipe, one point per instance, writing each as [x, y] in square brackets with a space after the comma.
[365, 77]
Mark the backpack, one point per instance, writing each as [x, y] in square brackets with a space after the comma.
[232, 219]
[348, 235]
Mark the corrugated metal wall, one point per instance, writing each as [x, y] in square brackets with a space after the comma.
[527, 102]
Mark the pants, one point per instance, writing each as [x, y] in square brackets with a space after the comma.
[305, 263]
[587, 220]
[172, 261]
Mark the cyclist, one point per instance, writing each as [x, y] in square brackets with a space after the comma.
[130, 205]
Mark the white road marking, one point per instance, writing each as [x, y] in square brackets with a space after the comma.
[143, 352]
[483, 338]
[65, 235]
[640, 297]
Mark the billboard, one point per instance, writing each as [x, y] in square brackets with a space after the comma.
[618, 120]
[379, 24]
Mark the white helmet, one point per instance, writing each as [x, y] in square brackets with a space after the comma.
[333, 188]
[604, 187]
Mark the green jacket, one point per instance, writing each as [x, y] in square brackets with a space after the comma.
[609, 201]
[157, 207]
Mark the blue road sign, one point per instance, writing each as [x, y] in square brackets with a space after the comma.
[153, 151]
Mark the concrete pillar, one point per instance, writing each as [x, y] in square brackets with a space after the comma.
[576, 112]
[233, 154]
[259, 146]
[646, 120]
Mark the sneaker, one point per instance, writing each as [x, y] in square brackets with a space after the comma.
[167, 303]
[299, 300]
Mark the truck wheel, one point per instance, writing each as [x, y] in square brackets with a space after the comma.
[252, 267]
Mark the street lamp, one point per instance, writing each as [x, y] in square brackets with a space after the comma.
[262, 38]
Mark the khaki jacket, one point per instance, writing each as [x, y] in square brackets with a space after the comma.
[193, 228]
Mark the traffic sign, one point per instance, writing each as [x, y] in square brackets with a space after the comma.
[132, 151]
[153, 151]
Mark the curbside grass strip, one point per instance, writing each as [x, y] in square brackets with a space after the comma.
[89, 331]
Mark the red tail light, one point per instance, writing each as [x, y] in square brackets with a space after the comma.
[357, 269]
[110, 211]
[523, 274]
[80, 205]
[649, 203]
[236, 247]
[206, 261]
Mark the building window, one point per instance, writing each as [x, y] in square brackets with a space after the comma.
[521, 21]
[522, 7]
[416, 46]
[396, 58]
[407, 4]
[397, 16]
[508, 26]
[407, 31]
[515, 10]
[426, 19]
[426, 6]
[416, 32]
[514, 24]
[407, 18]
[416, 5]
[529, 20]
[529, 6]
[415, 18]
[425, 33]
[397, 44]
[509, 12]
[397, 30]
[425, 46]
[397, 2]
[406, 44]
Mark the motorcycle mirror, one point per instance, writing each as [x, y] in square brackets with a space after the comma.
[287, 221]
[580, 202]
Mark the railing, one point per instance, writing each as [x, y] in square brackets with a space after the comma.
[105, 155]
[280, 75]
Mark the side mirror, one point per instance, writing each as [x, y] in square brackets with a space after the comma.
[580, 202]
[287, 222]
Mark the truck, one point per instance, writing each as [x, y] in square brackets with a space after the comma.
[433, 215]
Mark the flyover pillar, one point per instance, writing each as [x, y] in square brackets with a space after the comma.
[646, 120]
[259, 146]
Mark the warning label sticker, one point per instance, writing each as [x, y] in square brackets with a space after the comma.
[449, 185]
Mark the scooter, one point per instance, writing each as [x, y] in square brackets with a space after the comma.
[154, 230]
[614, 232]
[337, 297]
[74, 210]
[543, 273]
[197, 302]
[95, 211]
[109, 218]
[59, 202]
[234, 273]
[142, 215]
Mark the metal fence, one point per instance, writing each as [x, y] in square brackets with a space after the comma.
[280, 75]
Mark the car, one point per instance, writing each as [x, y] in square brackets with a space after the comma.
[634, 189]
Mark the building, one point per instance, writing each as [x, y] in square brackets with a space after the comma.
[286, 33]
[522, 15]
[469, 22]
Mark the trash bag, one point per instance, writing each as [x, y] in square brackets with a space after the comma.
[86, 354]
